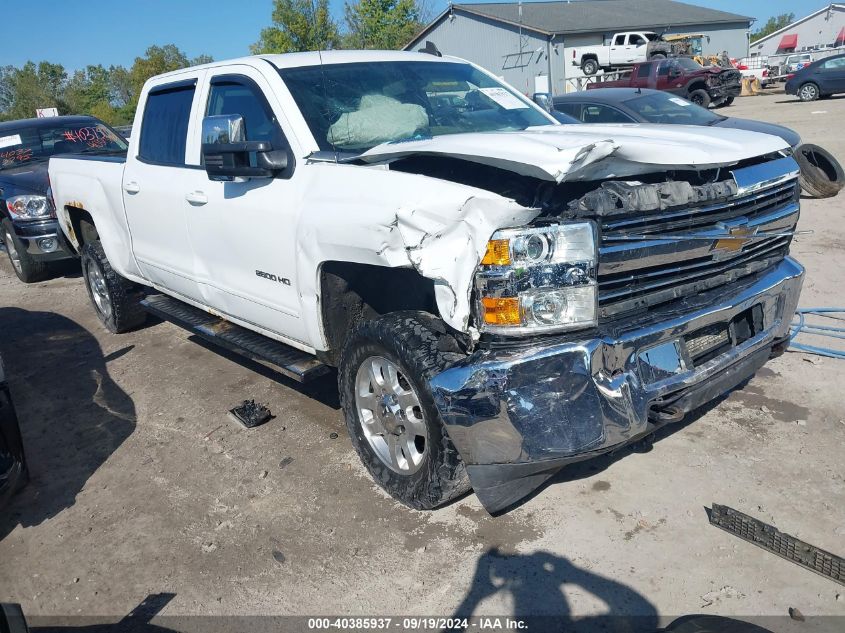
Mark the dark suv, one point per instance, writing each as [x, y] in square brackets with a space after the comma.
[28, 219]
[820, 79]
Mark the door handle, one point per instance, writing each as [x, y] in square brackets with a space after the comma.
[196, 197]
[131, 187]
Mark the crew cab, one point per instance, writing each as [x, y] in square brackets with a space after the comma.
[703, 85]
[623, 50]
[501, 295]
[29, 230]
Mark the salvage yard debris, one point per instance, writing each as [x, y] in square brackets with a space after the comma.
[250, 414]
[784, 545]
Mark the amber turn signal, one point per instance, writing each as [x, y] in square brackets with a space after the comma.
[498, 253]
[501, 311]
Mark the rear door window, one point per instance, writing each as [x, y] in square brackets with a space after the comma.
[644, 70]
[619, 41]
[164, 128]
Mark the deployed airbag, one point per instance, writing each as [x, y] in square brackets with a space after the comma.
[378, 119]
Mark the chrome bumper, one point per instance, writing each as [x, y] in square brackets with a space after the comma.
[517, 415]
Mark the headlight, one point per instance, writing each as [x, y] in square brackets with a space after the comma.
[538, 280]
[29, 207]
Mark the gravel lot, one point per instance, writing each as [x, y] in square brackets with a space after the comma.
[141, 485]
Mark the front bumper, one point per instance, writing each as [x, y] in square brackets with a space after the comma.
[42, 240]
[518, 415]
[724, 90]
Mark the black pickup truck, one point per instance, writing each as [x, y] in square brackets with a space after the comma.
[27, 215]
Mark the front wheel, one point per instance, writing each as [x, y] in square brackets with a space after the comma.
[700, 97]
[808, 92]
[384, 373]
[117, 301]
[26, 267]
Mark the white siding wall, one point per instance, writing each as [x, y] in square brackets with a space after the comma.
[497, 47]
[820, 30]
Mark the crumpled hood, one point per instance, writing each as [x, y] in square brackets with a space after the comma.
[587, 152]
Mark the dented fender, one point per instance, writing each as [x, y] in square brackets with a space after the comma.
[394, 219]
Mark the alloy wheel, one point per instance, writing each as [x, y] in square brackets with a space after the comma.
[391, 415]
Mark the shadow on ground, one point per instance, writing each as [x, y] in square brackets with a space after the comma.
[534, 589]
[72, 415]
[533, 585]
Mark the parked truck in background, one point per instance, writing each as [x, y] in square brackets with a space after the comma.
[623, 50]
[501, 295]
[703, 85]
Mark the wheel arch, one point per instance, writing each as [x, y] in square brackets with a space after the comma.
[350, 293]
[697, 84]
[80, 226]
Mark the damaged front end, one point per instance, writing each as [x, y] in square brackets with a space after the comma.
[632, 291]
[689, 291]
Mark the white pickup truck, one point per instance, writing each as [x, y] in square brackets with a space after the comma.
[501, 295]
[624, 49]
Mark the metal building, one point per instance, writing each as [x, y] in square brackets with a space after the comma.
[530, 44]
[823, 29]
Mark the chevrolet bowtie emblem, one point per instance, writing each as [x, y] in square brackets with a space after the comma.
[739, 237]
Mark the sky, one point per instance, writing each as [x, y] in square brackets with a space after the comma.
[76, 33]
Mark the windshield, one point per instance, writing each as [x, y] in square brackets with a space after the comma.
[354, 107]
[684, 62]
[662, 108]
[19, 146]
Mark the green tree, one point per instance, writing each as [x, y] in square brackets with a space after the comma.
[772, 25]
[298, 25]
[31, 87]
[381, 24]
[156, 60]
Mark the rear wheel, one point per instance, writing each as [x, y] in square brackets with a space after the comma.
[700, 97]
[384, 373]
[590, 66]
[728, 101]
[26, 267]
[808, 92]
[116, 300]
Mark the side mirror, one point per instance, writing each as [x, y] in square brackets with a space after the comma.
[228, 156]
[544, 100]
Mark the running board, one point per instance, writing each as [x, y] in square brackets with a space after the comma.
[294, 363]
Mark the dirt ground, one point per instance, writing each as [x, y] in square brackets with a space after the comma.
[142, 486]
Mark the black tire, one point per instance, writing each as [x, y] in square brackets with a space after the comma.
[590, 66]
[700, 97]
[809, 92]
[658, 56]
[12, 619]
[122, 310]
[414, 342]
[27, 268]
[821, 174]
[728, 101]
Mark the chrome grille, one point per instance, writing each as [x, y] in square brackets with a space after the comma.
[637, 275]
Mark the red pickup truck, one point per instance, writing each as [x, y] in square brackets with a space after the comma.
[703, 85]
